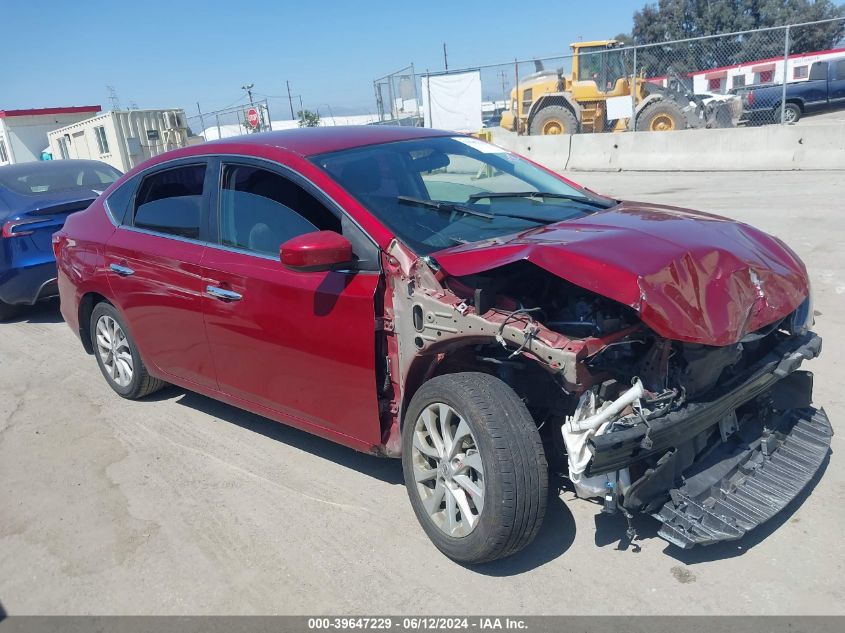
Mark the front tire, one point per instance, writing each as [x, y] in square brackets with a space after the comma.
[117, 355]
[474, 467]
[553, 120]
[661, 116]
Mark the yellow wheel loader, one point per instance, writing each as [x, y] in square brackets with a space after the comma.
[597, 97]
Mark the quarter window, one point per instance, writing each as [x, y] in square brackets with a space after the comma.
[102, 141]
[171, 201]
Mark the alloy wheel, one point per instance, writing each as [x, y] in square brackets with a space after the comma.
[113, 349]
[447, 469]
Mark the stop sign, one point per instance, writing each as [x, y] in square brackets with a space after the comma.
[252, 117]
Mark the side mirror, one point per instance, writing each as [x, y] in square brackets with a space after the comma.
[317, 251]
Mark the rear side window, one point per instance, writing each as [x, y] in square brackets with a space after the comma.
[171, 201]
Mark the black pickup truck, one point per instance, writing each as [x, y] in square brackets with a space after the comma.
[824, 89]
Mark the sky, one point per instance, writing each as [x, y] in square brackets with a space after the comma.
[177, 53]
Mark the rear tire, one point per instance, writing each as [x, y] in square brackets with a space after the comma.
[661, 116]
[791, 113]
[552, 120]
[501, 451]
[117, 355]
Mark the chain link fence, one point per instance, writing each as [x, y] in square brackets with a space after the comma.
[233, 121]
[706, 81]
[398, 97]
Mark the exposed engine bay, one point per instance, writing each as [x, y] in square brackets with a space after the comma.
[629, 416]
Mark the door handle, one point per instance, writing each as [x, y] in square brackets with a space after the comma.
[223, 294]
[123, 271]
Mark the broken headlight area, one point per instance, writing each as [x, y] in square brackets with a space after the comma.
[727, 441]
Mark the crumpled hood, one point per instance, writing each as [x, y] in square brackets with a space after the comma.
[692, 276]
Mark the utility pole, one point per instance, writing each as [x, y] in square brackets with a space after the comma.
[290, 100]
[202, 120]
[115, 102]
[503, 75]
[248, 89]
[445, 59]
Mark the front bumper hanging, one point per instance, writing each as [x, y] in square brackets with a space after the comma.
[737, 490]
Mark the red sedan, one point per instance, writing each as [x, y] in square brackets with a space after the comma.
[422, 294]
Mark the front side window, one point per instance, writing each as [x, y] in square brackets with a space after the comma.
[170, 201]
[102, 141]
[259, 210]
[818, 70]
[438, 192]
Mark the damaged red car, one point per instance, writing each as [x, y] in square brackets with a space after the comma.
[425, 295]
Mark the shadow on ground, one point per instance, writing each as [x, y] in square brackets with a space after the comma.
[43, 312]
[387, 470]
[556, 536]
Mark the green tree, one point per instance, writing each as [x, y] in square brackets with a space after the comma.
[307, 118]
[680, 19]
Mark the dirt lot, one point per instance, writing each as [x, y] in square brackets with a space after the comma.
[183, 505]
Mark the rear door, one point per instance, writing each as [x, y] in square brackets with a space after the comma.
[154, 262]
[300, 344]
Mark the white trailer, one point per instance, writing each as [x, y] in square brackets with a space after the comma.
[121, 138]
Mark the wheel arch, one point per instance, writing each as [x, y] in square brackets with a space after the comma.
[554, 98]
[463, 356]
[86, 307]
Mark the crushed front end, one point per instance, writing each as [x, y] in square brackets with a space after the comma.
[710, 461]
[711, 437]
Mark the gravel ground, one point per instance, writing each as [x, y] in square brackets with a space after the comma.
[182, 505]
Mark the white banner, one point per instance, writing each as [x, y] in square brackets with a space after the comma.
[452, 102]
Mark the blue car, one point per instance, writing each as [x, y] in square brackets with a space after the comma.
[35, 200]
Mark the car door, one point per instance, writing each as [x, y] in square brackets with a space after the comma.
[836, 86]
[814, 92]
[299, 343]
[154, 263]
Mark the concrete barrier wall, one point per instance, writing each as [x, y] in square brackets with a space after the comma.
[771, 147]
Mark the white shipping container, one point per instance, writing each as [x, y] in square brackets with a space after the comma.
[121, 138]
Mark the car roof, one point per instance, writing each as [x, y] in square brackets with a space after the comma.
[309, 141]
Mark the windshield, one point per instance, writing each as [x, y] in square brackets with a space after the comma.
[53, 176]
[431, 192]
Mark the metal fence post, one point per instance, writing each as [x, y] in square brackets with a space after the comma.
[518, 96]
[428, 95]
[416, 96]
[219, 134]
[785, 64]
[634, 83]
[390, 96]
